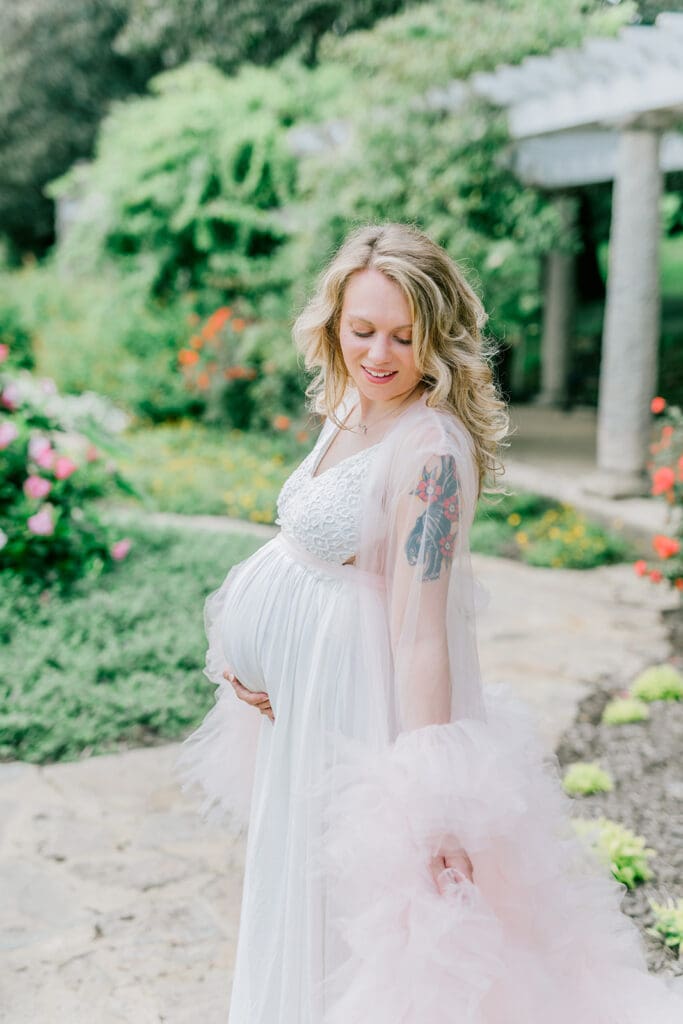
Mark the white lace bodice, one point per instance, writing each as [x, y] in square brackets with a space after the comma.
[323, 513]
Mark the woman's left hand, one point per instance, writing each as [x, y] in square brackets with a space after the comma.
[450, 854]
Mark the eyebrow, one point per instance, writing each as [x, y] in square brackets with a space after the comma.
[364, 319]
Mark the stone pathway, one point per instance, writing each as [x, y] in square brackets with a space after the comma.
[120, 905]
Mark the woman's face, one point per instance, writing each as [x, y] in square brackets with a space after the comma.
[375, 334]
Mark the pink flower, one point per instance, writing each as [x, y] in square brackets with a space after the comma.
[37, 487]
[640, 567]
[8, 433]
[46, 458]
[121, 548]
[36, 445]
[4, 352]
[92, 454]
[10, 397]
[64, 467]
[41, 523]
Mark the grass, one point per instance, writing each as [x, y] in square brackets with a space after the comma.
[189, 468]
[117, 663]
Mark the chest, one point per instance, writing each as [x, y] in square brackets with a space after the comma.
[323, 512]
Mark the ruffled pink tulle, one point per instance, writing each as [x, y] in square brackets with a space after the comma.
[539, 936]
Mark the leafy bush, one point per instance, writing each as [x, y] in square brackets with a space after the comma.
[191, 469]
[624, 710]
[668, 922]
[105, 668]
[207, 171]
[624, 852]
[543, 532]
[103, 332]
[56, 450]
[16, 348]
[659, 682]
[563, 538]
[584, 778]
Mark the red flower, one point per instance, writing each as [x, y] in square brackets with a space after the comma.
[217, 321]
[447, 545]
[663, 480]
[187, 357]
[640, 567]
[656, 576]
[657, 405]
[678, 583]
[665, 546]
[428, 490]
[451, 507]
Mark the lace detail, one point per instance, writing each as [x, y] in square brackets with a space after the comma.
[323, 513]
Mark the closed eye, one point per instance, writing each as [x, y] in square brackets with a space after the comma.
[402, 341]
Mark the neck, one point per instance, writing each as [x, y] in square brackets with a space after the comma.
[371, 409]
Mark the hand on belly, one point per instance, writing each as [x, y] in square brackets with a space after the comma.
[257, 699]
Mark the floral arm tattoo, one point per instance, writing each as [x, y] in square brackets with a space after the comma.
[438, 489]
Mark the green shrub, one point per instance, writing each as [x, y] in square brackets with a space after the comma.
[624, 852]
[668, 922]
[624, 710]
[16, 349]
[114, 665]
[659, 682]
[584, 778]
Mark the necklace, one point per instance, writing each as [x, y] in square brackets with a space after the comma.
[363, 427]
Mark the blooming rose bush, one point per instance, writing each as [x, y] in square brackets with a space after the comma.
[666, 473]
[55, 458]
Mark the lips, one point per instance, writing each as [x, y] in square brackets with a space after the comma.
[378, 380]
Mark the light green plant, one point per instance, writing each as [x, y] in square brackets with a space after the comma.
[623, 710]
[668, 922]
[623, 850]
[585, 777]
[659, 682]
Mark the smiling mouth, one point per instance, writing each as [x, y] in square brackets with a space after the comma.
[379, 374]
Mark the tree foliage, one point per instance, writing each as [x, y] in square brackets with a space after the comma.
[58, 74]
[228, 34]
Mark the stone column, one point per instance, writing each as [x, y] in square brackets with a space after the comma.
[557, 317]
[632, 314]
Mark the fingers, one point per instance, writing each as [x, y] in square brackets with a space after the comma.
[258, 699]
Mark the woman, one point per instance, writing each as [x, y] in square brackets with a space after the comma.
[409, 852]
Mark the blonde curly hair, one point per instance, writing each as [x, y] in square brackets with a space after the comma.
[448, 346]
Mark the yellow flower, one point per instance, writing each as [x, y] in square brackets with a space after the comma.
[522, 538]
[514, 519]
[555, 533]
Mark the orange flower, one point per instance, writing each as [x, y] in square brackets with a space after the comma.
[680, 467]
[238, 324]
[667, 431]
[282, 422]
[663, 480]
[217, 321]
[236, 373]
[203, 380]
[196, 341]
[302, 435]
[187, 357]
[678, 583]
[665, 546]
[656, 576]
[640, 567]
[657, 405]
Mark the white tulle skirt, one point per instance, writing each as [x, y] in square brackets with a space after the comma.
[341, 922]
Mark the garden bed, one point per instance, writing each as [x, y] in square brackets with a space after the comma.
[644, 760]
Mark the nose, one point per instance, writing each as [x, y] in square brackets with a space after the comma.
[379, 349]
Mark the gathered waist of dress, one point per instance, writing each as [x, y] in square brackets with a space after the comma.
[346, 571]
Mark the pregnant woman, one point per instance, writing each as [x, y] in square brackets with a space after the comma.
[410, 857]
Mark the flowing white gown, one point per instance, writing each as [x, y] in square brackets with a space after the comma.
[346, 793]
